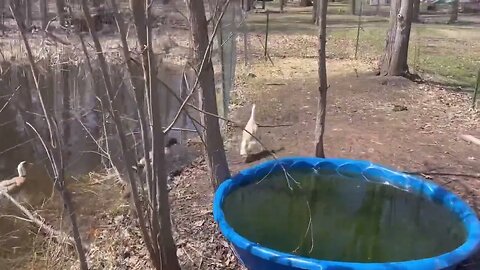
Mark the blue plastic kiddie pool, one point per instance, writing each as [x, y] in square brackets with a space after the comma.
[256, 257]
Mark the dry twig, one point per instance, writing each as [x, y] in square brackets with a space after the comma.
[59, 236]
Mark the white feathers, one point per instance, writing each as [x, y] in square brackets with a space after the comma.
[22, 171]
[249, 144]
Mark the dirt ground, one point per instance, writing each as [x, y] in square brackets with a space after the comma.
[392, 121]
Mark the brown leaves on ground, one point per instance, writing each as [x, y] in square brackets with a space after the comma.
[200, 245]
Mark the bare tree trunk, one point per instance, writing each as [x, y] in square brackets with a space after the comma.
[165, 245]
[3, 7]
[416, 11]
[127, 159]
[390, 39]
[245, 37]
[394, 62]
[315, 12]
[217, 160]
[28, 13]
[139, 100]
[44, 13]
[454, 12]
[322, 76]
[282, 4]
[65, 88]
[352, 5]
[60, 11]
[263, 4]
[398, 64]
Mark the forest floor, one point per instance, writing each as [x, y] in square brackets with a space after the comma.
[412, 127]
[392, 121]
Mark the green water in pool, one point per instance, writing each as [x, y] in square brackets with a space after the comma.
[342, 219]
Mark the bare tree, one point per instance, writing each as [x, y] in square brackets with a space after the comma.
[454, 12]
[322, 76]
[416, 11]
[44, 13]
[217, 161]
[282, 4]
[315, 11]
[248, 4]
[2, 19]
[53, 146]
[352, 5]
[394, 62]
[28, 13]
[157, 234]
[60, 11]
[161, 231]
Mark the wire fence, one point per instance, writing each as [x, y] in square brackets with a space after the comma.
[436, 51]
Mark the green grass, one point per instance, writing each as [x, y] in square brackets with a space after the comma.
[447, 54]
[440, 57]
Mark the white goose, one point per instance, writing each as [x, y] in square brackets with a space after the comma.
[249, 144]
[17, 181]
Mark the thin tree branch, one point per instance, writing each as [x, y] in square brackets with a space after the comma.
[58, 236]
[207, 52]
[13, 9]
[9, 99]
[119, 127]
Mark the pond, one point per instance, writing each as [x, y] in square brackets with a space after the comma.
[70, 92]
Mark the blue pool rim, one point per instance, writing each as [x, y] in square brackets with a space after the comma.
[370, 171]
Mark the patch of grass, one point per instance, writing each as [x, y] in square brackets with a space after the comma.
[299, 21]
[446, 53]
[371, 44]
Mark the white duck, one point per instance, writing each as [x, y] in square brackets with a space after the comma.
[17, 181]
[249, 143]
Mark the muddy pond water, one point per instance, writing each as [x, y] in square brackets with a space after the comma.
[71, 94]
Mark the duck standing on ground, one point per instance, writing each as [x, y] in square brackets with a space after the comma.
[249, 143]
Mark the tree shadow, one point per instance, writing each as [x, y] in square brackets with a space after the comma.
[451, 86]
[474, 176]
[442, 19]
[300, 22]
[261, 155]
